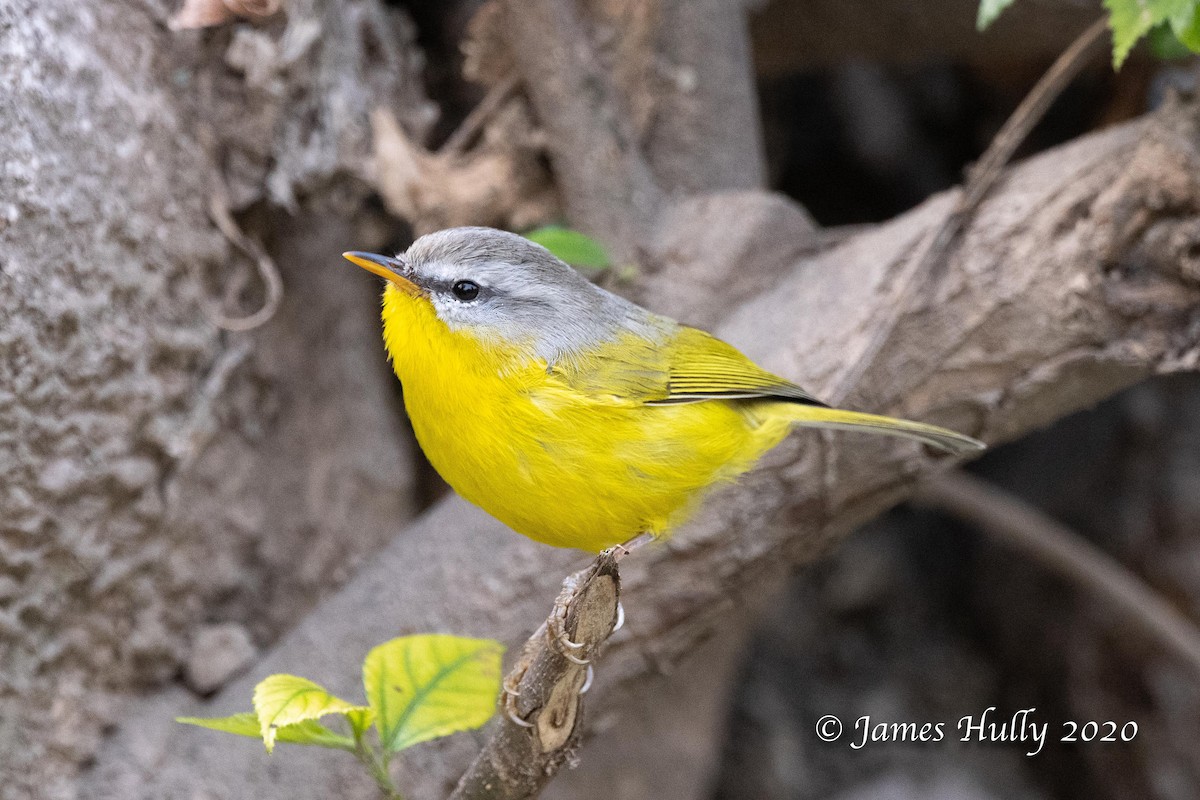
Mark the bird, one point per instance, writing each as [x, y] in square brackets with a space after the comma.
[569, 413]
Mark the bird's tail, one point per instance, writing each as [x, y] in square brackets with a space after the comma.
[811, 416]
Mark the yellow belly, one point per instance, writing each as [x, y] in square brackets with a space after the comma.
[553, 463]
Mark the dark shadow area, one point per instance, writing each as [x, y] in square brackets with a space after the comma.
[864, 142]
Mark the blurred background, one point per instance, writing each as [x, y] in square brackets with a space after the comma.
[177, 172]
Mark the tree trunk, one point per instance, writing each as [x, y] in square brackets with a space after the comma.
[158, 473]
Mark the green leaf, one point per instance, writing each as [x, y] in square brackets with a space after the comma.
[246, 724]
[1165, 45]
[423, 687]
[1130, 20]
[1185, 24]
[988, 11]
[580, 251]
[283, 700]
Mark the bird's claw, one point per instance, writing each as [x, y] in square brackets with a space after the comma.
[510, 703]
[560, 641]
[511, 712]
[587, 682]
[583, 662]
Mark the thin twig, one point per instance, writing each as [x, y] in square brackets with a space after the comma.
[218, 210]
[471, 126]
[986, 172]
[1016, 523]
[543, 698]
[376, 764]
[925, 267]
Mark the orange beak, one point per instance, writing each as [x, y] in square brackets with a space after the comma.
[390, 269]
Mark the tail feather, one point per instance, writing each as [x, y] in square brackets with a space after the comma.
[838, 419]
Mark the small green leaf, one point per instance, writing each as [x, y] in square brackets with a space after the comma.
[988, 11]
[307, 732]
[423, 687]
[580, 251]
[1185, 24]
[1165, 45]
[245, 724]
[1130, 20]
[283, 700]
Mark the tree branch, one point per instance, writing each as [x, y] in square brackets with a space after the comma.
[924, 267]
[641, 101]
[706, 132]
[606, 184]
[542, 725]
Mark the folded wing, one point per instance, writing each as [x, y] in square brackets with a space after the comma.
[687, 366]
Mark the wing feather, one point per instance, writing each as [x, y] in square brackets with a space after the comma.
[689, 366]
[702, 367]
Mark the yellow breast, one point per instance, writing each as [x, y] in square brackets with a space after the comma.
[562, 466]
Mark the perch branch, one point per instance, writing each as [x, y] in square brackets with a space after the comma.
[543, 699]
[1013, 522]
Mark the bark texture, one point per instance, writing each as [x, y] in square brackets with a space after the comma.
[157, 473]
[1077, 278]
[606, 182]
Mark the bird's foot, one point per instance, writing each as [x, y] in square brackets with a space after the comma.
[562, 642]
[556, 633]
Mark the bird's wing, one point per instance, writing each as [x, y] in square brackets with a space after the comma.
[702, 367]
[689, 366]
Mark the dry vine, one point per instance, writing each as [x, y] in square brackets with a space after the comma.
[1015, 523]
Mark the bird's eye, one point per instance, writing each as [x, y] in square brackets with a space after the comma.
[465, 290]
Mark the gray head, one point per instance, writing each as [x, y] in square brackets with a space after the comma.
[496, 284]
